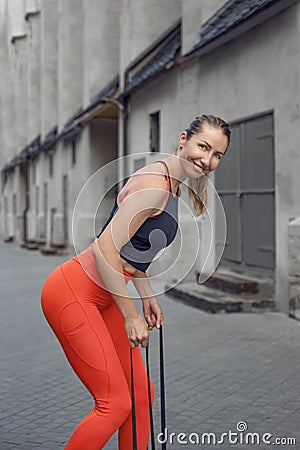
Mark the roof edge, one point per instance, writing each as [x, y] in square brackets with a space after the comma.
[71, 129]
[155, 44]
[245, 26]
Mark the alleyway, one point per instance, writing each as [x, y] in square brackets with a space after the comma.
[220, 369]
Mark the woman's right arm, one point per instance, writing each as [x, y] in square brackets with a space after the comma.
[132, 212]
[112, 275]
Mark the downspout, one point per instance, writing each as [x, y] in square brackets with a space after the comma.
[122, 137]
[125, 140]
[27, 202]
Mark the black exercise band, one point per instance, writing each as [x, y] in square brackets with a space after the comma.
[162, 386]
[133, 404]
[162, 395]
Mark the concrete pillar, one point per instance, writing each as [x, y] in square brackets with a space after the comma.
[194, 14]
[142, 23]
[101, 44]
[34, 72]
[2, 82]
[80, 235]
[20, 85]
[32, 6]
[294, 267]
[49, 111]
[18, 60]
[191, 23]
[209, 7]
[20, 136]
[53, 192]
[15, 17]
[14, 110]
[60, 165]
[12, 74]
[20, 191]
[70, 67]
[49, 65]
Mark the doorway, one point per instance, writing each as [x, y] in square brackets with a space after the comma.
[245, 184]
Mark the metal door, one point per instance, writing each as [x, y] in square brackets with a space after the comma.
[245, 183]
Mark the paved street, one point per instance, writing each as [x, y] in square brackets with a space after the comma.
[220, 370]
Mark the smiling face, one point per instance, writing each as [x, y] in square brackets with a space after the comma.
[204, 150]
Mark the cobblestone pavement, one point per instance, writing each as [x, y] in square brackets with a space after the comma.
[220, 370]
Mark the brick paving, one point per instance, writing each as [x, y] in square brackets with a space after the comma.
[221, 369]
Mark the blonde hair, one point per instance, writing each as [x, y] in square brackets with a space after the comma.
[197, 188]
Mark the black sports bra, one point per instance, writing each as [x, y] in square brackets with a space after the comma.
[156, 233]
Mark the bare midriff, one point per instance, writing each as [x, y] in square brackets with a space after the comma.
[128, 267]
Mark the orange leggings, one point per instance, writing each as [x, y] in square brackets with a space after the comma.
[90, 329]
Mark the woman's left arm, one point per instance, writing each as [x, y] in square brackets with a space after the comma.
[151, 308]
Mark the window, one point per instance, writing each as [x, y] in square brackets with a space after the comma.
[73, 152]
[154, 131]
[50, 163]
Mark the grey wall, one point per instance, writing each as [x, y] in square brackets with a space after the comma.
[70, 57]
[101, 44]
[49, 65]
[257, 72]
[60, 58]
[142, 23]
[194, 14]
[248, 77]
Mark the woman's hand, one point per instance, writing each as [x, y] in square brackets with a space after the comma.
[137, 331]
[152, 312]
[151, 308]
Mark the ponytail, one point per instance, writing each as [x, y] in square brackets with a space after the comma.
[197, 191]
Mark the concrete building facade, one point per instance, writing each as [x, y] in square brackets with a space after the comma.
[87, 82]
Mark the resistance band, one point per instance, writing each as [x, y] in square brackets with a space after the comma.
[162, 395]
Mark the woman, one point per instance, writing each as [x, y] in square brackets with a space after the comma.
[86, 300]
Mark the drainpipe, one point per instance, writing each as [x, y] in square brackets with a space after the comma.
[122, 131]
[27, 202]
[125, 141]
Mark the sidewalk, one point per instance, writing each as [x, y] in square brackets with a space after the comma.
[220, 369]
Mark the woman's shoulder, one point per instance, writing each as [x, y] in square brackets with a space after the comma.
[152, 175]
[154, 168]
[149, 176]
